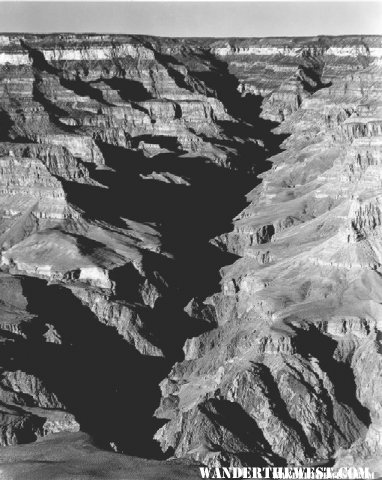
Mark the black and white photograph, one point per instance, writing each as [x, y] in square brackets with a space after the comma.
[190, 240]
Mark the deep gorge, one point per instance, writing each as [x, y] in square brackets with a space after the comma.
[190, 247]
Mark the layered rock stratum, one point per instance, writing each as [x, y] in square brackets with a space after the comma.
[147, 306]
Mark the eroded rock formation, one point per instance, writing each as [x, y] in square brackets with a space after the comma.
[123, 162]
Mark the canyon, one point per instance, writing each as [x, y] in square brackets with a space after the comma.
[191, 254]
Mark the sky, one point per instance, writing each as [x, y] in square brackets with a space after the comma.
[211, 19]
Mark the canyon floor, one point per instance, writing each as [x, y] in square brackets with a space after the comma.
[191, 254]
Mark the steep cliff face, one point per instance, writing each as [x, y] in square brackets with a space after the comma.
[123, 162]
[279, 379]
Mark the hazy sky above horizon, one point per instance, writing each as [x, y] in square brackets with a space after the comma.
[213, 19]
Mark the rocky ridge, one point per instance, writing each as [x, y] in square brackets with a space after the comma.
[123, 161]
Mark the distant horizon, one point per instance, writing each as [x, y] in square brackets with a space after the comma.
[191, 37]
[194, 19]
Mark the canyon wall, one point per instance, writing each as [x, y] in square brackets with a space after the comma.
[123, 161]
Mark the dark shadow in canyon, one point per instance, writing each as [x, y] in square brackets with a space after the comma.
[280, 409]
[231, 417]
[169, 62]
[6, 129]
[5, 126]
[216, 80]
[110, 388]
[310, 77]
[54, 112]
[83, 89]
[187, 217]
[128, 90]
[38, 60]
[76, 85]
[244, 108]
[312, 342]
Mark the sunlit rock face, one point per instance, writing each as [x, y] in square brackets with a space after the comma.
[136, 277]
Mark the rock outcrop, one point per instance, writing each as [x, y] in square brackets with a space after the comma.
[123, 161]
